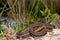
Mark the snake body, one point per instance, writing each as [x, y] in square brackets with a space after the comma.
[37, 29]
[41, 32]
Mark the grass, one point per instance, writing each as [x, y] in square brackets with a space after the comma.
[2, 10]
[35, 11]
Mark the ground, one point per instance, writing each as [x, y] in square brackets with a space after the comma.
[54, 35]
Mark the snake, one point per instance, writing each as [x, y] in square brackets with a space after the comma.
[35, 30]
[42, 29]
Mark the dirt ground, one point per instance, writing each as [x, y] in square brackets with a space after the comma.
[54, 35]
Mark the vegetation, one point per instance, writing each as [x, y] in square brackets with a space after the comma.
[26, 12]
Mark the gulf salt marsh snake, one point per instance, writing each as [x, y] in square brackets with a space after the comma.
[37, 29]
